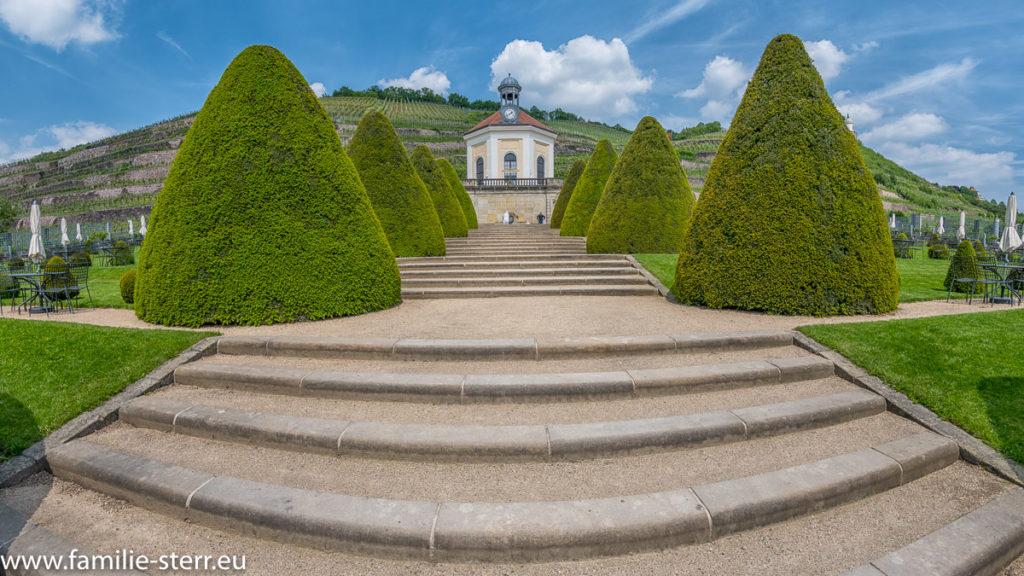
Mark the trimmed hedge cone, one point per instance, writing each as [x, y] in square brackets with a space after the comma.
[647, 200]
[589, 188]
[263, 218]
[565, 194]
[455, 184]
[453, 220]
[789, 220]
[964, 264]
[400, 199]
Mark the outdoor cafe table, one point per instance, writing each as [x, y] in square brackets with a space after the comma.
[35, 282]
[1003, 271]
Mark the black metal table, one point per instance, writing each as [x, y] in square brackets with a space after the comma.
[35, 280]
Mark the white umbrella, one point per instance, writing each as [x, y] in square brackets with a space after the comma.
[142, 225]
[942, 225]
[962, 232]
[36, 251]
[1010, 240]
[64, 232]
[892, 221]
[78, 232]
[131, 229]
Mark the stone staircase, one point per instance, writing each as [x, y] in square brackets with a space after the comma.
[520, 260]
[731, 453]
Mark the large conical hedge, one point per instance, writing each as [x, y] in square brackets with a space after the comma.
[262, 217]
[789, 220]
[455, 183]
[558, 212]
[587, 193]
[453, 221]
[647, 200]
[400, 199]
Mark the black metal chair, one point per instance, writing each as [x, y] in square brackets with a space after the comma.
[9, 287]
[55, 284]
[79, 274]
[967, 277]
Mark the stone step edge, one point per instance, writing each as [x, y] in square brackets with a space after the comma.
[607, 290]
[501, 531]
[477, 388]
[463, 272]
[499, 281]
[524, 443]
[983, 541]
[498, 349]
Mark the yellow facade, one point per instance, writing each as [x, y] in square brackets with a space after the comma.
[515, 146]
[478, 151]
[540, 149]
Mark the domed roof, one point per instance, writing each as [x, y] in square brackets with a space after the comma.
[509, 82]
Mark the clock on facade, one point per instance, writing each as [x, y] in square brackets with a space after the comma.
[510, 114]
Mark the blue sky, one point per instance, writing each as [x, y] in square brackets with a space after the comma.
[932, 85]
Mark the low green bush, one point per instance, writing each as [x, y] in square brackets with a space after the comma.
[57, 279]
[122, 255]
[964, 264]
[127, 286]
[80, 259]
[938, 252]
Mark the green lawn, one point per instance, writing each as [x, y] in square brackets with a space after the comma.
[52, 371]
[920, 278]
[966, 368]
[105, 288]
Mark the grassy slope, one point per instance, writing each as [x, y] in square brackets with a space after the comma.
[52, 371]
[959, 366]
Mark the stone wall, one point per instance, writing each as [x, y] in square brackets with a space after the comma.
[526, 202]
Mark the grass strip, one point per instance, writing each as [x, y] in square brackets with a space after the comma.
[51, 372]
[966, 368]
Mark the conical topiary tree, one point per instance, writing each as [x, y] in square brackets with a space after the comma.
[964, 264]
[647, 200]
[453, 221]
[262, 217]
[586, 195]
[455, 183]
[789, 220]
[566, 192]
[400, 199]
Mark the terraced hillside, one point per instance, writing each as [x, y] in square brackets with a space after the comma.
[118, 177]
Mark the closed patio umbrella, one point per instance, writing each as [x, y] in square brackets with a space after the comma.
[962, 232]
[892, 221]
[78, 232]
[36, 251]
[142, 225]
[131, 229]
[1010, 240]
[64, 232]
[942, 225]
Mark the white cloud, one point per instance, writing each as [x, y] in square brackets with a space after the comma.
[859, 112]
[172, 43]
[941, 75]
[908, 129]
[666, 18]
[72, 134]
[318, 89]
[864, 47]
[827, 58]
[992, 173]
[723, 85]
[56, 23]
[422, 78]
[587, 76]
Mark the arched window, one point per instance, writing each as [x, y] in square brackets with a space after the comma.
[511, 171]
[479, 167]
[540, 167]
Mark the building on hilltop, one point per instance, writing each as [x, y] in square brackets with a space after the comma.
[510, 162]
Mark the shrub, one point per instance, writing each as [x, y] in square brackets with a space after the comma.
[127, 286]
[122, 255]
[262, 217]
[789, 220]
[979, 249]
[80, 259]
[453, 220]
[647, 200]
[565, 194]
[938, 252]
[590, 186]
[455, 183]
[400, 199]
[963, 265]
[16, 262]
[57, 279]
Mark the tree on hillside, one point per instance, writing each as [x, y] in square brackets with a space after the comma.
[8, 214]
[789, 220]
[400, 199]
[587, 193]
[455, 183]
[565, 194]
[262, 218]
[647, 200]
[453, 220]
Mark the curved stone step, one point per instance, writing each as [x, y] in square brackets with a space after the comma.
[499, 349]
[982, 542]
[466, 272]
[439, 264]
[524, 291]
[470, 388]
[508, 531]
[523, 280]
[498, 443]
[516, 258]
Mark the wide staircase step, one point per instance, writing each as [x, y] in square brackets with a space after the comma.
[592, 454]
